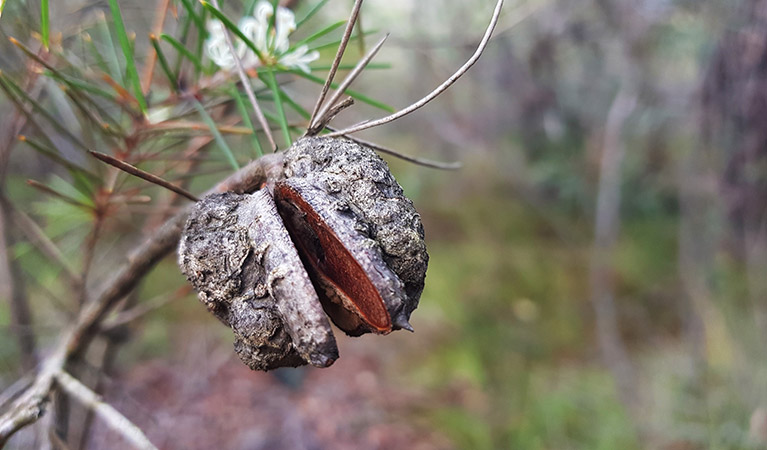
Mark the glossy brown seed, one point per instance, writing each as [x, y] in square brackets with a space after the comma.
[339, 234]
[353, 191]
[356, 286]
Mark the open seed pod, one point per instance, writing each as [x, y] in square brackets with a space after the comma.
[360, 237]
[238, 256]
[342, 237]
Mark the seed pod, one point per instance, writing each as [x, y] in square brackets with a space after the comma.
[360, 238]
[238, 256]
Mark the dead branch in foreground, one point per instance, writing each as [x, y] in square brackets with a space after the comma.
[30, 406]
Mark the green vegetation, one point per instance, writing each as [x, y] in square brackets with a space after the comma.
[507, 351]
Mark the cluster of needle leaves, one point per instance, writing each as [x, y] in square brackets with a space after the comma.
[154, 106]
[111, 115]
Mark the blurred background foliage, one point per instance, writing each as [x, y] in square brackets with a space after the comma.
[539, 328]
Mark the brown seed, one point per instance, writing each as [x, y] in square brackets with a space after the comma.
[358, 290]
[351, 190]
[359, 238]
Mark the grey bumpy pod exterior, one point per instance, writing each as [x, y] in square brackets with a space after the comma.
[352, 185]
[253, 281]
[360, 242]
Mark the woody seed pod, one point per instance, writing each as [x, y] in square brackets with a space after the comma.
[238, 256]
[342, 196]
[346, 239]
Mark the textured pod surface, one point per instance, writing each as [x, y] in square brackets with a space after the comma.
[237, 255]
[359, 291]
[352, 184]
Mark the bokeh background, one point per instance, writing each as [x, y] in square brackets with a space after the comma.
[598, 272]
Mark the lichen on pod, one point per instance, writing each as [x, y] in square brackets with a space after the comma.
[339, 195]
[236, 253]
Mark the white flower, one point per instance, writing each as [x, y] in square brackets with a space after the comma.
[216, 47]
[299, 59]
[284, 24]
[273, 49]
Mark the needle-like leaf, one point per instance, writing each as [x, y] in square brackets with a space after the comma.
[183, 50]
[335, 43]
[172, 79]
[44, 23]
[111, 52]
[54, 156]
[354, 94]
[319, 34]
[192, 14]
[270, 80]
[135, 171]
[49, 190]
[216, 134]
[17, 94]
[311, 13]
[130, 62]
[243, 110]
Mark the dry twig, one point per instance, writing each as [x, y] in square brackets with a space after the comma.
[436, 92]
[337, 60]
[30, 405]
[322, 118]
[111, 416]
[135, 171]
[413, 159]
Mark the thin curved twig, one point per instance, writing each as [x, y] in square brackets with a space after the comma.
[112, 417]
[135, 171]
[328, 116]
[436, 92]
[413, 159]
[31, 404]
[316, 125]
[337, 60]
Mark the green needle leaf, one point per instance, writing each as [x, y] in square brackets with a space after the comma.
[172, 79]
[354, 94]
[44, 23]
[311, 13]
[130, 62]
[246, 120]
[192, 14]
[271, 81]
[216, 134]
[352, 66]
[183, 50]
[319, 34]
[111, 54]
[334, 44]
[12, 90]
[54, 156]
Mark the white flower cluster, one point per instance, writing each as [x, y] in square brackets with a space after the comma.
[273, 49]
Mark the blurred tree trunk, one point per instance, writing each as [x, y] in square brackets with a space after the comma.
[629, 30]
[734, 98]
[607, 224]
